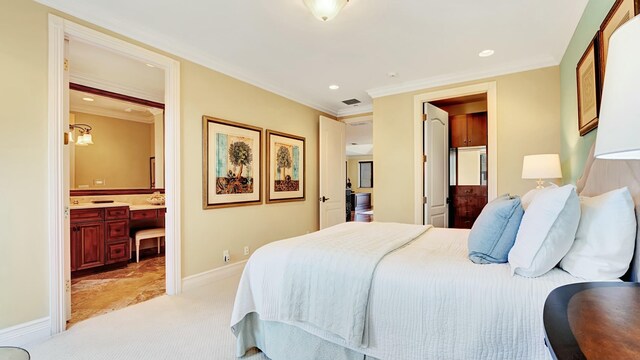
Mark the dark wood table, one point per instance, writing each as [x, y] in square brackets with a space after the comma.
[593, 320]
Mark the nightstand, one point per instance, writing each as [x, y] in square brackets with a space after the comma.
[593, 320]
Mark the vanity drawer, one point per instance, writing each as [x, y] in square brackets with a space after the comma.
[117, 230]
[144, 214]
[81, 215]
[115, 213]
[117, 252]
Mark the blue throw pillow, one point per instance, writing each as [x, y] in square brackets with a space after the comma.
[494, 232]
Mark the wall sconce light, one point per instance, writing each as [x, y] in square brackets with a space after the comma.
[84, 138]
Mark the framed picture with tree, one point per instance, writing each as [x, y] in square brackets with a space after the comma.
[285, 167]
[231, 163]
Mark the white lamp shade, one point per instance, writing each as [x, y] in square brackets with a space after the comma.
[325, 9]
[619, 125]
[542, 166]
[88, 139]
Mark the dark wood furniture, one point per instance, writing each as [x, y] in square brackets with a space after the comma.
[141, 219]
[468, 130]
[360, 201]
[593, 320]
[468, 202]
[99, 236]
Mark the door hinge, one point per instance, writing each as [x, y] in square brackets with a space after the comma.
[424, 200]
[66, 64]
[66, 212]
[424, 158]
[424, 117]
[67, 285]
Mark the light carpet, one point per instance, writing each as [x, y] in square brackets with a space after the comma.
[193, 325]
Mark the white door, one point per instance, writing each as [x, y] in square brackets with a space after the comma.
[436, 166]
[332, 172]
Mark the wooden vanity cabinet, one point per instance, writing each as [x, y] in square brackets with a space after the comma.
[468, 130]
[99, 236]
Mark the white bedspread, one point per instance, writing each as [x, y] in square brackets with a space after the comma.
[428, 301]
[324, 279]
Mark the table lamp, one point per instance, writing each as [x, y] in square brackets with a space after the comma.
[619, 126]
[541, 166]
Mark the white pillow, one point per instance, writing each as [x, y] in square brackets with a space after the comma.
[547, 231]
[527, 198]
[605, 239]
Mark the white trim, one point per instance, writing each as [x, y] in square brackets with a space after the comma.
[87, 80]
[26, 333]
[457, 78]
[355, 110]
[492, 134]
[93, 110]
[60, 28]
[178, 49]
[223, 272]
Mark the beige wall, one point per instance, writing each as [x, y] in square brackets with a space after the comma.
[528, 116]
[353, 172]
[24, 263]
[119, 155]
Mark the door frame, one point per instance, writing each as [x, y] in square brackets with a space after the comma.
[59, 29]
[488, 88]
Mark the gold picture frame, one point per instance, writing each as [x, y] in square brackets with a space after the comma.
[286, 167]
[231, 163]
[588, 84]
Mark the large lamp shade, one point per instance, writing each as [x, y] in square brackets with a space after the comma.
[619, 125]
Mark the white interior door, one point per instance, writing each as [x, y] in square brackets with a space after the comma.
[436, 166]
[332, 172]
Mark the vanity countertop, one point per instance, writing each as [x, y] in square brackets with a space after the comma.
[145, 207]
[95, 206]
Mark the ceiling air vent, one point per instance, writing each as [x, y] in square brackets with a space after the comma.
[351, 101]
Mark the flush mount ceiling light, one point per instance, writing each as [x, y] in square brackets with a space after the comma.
[334, 87]
[87, 99]
[486, 53]
[325, 9]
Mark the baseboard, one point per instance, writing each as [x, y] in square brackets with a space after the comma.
[26, 333]
[209, 276]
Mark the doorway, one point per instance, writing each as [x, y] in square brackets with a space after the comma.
[466, 156]
[422, 172]
[61, 31]
[359, 167]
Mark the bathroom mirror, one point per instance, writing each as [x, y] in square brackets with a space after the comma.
[468, 166]
[126, 149]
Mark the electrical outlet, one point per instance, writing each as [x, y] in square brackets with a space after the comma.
[246, 250]
[226, 257]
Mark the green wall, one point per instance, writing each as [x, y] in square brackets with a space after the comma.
[574, 148]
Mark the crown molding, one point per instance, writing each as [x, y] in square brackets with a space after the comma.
[178, 49]
[110, 113]
[456, 78]
[355, 110]
[90, 81]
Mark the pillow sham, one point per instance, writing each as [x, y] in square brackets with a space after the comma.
[547, 231]
[528, 197]
[494, 231]
[605, 239]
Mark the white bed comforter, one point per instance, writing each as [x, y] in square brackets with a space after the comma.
[321, 279]
[427, 301]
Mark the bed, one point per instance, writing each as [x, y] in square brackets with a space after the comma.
[426, 300]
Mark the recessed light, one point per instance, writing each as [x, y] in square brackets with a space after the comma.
[87, 99]
[128, 110]
[392, 74]
[150, 65]
[486, 53]
[334, 87]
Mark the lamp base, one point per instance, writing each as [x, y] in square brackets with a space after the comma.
[540, 183]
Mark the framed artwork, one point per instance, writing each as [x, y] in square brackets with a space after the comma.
[588, 78]
[621, 12]
[365, 174]
[285, 167]
[232, 164]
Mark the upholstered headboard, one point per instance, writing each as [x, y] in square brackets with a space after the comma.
[601, 176]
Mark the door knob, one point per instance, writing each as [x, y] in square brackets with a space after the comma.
[323, 199]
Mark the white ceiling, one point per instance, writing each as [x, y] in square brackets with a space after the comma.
[105, 106]
[279, 46]
[359, 135]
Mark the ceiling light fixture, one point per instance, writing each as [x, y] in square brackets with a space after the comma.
[87, 99]
[325, 10]
[334, 87]
[486, 53]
